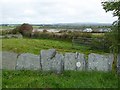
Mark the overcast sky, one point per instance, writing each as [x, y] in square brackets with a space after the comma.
[53, 11]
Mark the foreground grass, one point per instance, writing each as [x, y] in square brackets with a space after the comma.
[35, 45]
[68, 79]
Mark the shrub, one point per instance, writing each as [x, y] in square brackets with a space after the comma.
[26, 29]
[45, 30]
[100, 44]
[4, 32]
[16, 30]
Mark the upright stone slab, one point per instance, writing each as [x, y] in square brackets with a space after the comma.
[100, 62]
[74, 61]
[81, 62]
[46, 59]
[57, 63]
[70, 60]
[118, 63]
[27, 61]
[9, 60]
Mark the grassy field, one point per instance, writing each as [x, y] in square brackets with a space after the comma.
[35, 45]
[38, 79]
[68, 79]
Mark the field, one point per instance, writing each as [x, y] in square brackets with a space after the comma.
[35, 45]
[38, 79]
[68, 79]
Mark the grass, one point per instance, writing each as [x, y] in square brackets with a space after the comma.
[0, 79]
[6, 27]
[68, 79]
[38, 79]
[35, 45]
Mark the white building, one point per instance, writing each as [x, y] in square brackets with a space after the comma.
[87, 30]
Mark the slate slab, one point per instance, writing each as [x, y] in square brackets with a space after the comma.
[74, 61]
[100, 62]
[27, 61]
[46, 59]
[81, 61]
[9, 60]
[70, 61]
[57, 63]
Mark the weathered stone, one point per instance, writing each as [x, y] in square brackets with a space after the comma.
[46, 59]
[70, 61]
[57, 63]
[9, 60]
[100, 62]
[1, 36]
[28, 61]
[118, 63]
[74, 61]
[17, 36]
[13, 36]
[81, 62]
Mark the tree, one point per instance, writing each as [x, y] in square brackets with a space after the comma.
[114, 35]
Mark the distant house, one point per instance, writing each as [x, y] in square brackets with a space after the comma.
[87, 30]
[104, 30]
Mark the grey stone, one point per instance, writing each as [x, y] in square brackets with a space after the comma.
[100, 62]
[11, 36]
[17, 36]
[70, 61]
[46, 59]
[27, 61]
[74, 61]
[1, 36]
[81, 59]
[57, 63]
[118, 63]
[9, 60]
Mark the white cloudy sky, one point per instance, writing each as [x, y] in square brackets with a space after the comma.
[53, 11]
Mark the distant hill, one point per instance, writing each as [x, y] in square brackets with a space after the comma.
[65, 24]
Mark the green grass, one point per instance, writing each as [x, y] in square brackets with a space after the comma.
[35, 45]
[6, 27]
[68, 79]
[0, 79]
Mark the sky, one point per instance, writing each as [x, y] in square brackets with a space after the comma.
[53, 11]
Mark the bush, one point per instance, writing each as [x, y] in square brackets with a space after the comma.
[4, 32]
[45, 30]
[26, 29]
[44, 35]
[100, 44]
[16, 30]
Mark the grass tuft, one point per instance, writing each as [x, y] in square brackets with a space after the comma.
[68, 79]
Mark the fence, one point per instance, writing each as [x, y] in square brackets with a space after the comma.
[98, 43]
[51, 60]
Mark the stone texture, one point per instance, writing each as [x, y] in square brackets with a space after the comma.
[57, 63]
[100, 62]
[1, 36]
[118, 63]
[72, 60]
[11, 36]
[46, 59]
[81, 59]
[9, 60]
[27, 61]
